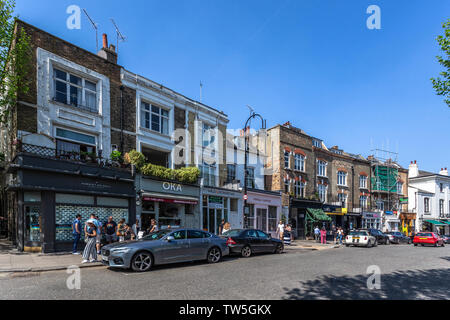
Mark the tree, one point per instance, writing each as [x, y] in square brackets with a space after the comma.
[15, 60]
[442, 85]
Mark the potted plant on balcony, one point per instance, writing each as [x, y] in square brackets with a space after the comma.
[116, 158]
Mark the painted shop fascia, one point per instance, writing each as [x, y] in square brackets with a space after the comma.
[51, 192]
[170, 203]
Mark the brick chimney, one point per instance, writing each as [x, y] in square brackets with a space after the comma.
[413, 170]
[443, 172]
[108, 53]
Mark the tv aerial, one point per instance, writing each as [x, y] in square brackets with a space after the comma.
[120, 36]
[95, 26]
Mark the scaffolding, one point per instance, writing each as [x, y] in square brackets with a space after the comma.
[384, 179]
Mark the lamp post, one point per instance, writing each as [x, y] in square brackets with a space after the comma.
[246, 150]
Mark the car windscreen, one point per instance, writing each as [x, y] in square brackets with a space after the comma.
[156, 235]
[358, 233]
[424, 235]
[232, 233]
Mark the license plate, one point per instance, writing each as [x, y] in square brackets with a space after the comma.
[423, 238]
[357, 238]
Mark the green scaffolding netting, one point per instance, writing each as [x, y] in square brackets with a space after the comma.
[384, 179]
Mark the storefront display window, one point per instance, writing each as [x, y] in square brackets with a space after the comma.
[169, 215]
[33, 223]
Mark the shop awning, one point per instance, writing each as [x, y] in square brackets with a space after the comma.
[318, 215]
[446, 222]
[162, 197]
[435, 222]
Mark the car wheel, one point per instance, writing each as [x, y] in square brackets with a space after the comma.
[214, 255]
[246, 251]
[369, 244]
[141, 262]
[436, 244]
[279, 249]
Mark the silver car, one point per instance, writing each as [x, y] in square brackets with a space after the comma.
[164, 247]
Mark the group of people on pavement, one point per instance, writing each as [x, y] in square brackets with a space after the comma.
[93, 230]
[337, 232]
[284, 233]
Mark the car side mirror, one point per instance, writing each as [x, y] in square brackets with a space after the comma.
[170, 238]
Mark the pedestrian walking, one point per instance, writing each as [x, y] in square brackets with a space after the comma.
[226, 227]
[110, 228]
[76, 231]
[121, 230]
[287, 235]
[280, 230]
[153, 226]
[340, 234]
[317, 233]
[323, 236]
[90, 251]
[334, 233]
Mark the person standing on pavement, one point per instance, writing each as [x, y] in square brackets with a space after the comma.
[136, 229]
[323, 236]
[340, 233]
[317, 233]
[90, 249]
[93, 219]
[153, 226]
[287, 237]
[226, 227]
[99, 235]
[334, 233]
[76, 231]
[280, 230]
[110, 228]
[222, 223]
[121, 230]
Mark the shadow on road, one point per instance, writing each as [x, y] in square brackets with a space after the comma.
[409, 284]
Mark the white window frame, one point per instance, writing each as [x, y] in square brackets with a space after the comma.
[299, 187]
[82, 87]
[363, 182]
[76, 141]
[287, 159]
[322, 191]
[426, 205]
[299, 163]
[342, 178]
[322, 166]
[150, 112]
[363, 202]
[343, 197]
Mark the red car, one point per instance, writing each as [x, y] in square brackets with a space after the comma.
[432, 238]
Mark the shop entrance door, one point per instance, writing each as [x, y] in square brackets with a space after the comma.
[32, 226]
[215, 217]
[261, 219]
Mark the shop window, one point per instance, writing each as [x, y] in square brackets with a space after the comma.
[169, 215]
[148, 206]
[233, 205]
[32, 223]
[272, 218]
[250, 217]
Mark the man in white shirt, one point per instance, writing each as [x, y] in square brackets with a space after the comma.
[280, 230]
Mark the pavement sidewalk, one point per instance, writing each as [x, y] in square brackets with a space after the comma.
[11, 260]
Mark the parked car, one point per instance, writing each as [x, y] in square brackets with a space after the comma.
[398, 237]
[360, 238]
[446, 239]
[380, 236]
[249, 241]
[164, 247]
[428, 238]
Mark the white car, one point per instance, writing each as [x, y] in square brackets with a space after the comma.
[360, 238]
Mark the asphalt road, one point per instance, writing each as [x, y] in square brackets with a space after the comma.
[407, 272]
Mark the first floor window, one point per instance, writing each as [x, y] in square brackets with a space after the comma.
[74, 144]
[299, 189]
[287, 186]
[363, 202]
[363, 182]
[286, 159]
[250, 177]
[299, 162]
[322, 192]
[208, 173]
[426, 205]
[231, 172]
[441, 208]
[399, 188]
[342, 197]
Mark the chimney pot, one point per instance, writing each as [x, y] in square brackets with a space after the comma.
[105, 41]
[415, 161]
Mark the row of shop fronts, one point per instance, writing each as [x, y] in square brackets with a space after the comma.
[44, 196]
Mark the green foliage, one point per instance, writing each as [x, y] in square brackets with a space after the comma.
[15, 60]
[442, 85]
[136, 158]
[116, 156]
[184, 175]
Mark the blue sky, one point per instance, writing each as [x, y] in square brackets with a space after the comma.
[313, 63]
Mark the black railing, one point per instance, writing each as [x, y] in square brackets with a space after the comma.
[83, 157]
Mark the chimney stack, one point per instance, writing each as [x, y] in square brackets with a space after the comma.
[108, 53]
[413, 170]
[444, 172]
